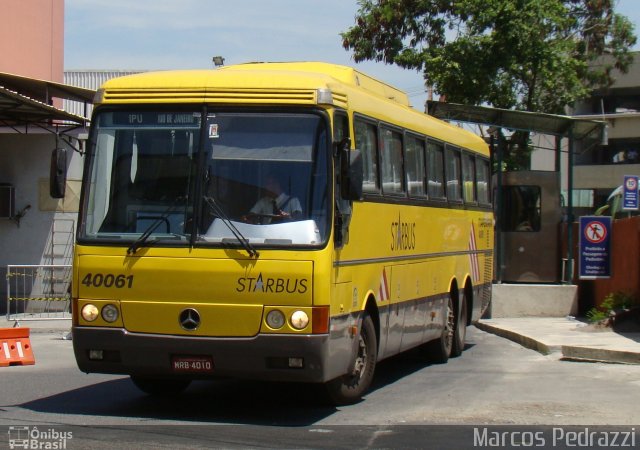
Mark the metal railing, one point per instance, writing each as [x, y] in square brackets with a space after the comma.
[38, 292]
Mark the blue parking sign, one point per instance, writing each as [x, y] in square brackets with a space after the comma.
[630, 193]
[595, 247]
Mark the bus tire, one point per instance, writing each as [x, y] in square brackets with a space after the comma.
[439, 350]
[460, 332]
[350, 388]
[160, 386]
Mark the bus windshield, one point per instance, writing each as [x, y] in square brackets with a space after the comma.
[258, 179]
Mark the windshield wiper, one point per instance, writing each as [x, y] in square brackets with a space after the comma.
[211, 202]
[152, 227]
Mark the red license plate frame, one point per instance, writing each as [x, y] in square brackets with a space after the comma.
[192, 364]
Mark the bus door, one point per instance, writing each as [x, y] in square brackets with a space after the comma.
[529, 227]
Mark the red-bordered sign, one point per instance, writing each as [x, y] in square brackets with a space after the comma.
[595, 247]
[595, 232]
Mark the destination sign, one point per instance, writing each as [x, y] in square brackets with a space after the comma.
[153, 119]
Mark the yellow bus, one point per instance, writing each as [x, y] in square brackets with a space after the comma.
[275, 221]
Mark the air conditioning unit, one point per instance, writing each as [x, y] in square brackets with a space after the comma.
[7, 201]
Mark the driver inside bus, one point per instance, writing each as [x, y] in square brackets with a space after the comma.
[275, 206]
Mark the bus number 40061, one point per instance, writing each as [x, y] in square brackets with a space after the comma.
[108, 280]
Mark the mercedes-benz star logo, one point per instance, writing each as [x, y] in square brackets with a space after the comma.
[189, 319]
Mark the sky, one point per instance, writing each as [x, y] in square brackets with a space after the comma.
[186, 34]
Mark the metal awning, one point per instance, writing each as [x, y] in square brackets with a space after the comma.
[551, 124]
[26, 101]
[17, 110]
[43, 91]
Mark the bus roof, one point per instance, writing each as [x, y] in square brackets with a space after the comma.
[291, 75]
[282, 83]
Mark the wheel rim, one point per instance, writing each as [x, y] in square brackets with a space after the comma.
[360, 362]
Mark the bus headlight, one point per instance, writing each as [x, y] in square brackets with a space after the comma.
[275, 319]
[89, 312]
[299, 320]
[110, 313]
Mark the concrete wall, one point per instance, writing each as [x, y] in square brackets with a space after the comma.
[533, 300]
[24, 163]
[608, 176]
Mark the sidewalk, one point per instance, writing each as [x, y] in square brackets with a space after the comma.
[568, 338]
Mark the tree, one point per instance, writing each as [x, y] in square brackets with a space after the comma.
[531, 55]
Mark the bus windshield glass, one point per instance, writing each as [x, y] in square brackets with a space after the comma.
[262, 179]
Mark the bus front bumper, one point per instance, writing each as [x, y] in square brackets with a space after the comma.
[300, 358]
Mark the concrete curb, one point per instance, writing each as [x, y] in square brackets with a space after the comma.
[589, 354]
[518, 338]
[565, 352]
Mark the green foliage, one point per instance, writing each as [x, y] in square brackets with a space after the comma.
[531, 55]
[613, 302]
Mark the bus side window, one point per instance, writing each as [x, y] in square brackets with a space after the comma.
[482, 179]
[454, 188]
[391, 162]
[415, 167]
[469, 178]
[435, 170]
[367, 143]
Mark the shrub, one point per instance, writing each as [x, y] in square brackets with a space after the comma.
[612, 302]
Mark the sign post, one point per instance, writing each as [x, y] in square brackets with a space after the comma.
[630, 193]
[595, 247]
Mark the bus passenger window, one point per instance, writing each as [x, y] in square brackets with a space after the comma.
[415, 167]
[482, 178]
[367, 143]
[435, 170]
[469, 178]
[453, 175]
[392, 182]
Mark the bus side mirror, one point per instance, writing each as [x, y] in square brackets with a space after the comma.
[350, 172]
[58, 173]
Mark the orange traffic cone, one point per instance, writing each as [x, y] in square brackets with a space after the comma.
[15, 347]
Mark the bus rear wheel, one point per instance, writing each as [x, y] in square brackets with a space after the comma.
[439, 350]
[159, 386]
[460, 333]
[350, 388]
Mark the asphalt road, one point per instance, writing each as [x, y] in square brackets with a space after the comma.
[494, 385]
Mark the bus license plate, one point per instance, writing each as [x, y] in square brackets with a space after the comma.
[199, 364]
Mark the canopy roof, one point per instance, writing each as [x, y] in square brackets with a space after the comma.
[556, 125]
[25, 101]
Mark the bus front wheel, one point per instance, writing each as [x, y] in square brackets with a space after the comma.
[349, 388]
[159, 386]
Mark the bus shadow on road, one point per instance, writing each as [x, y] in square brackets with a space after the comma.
[219, 401]
[394, 369]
